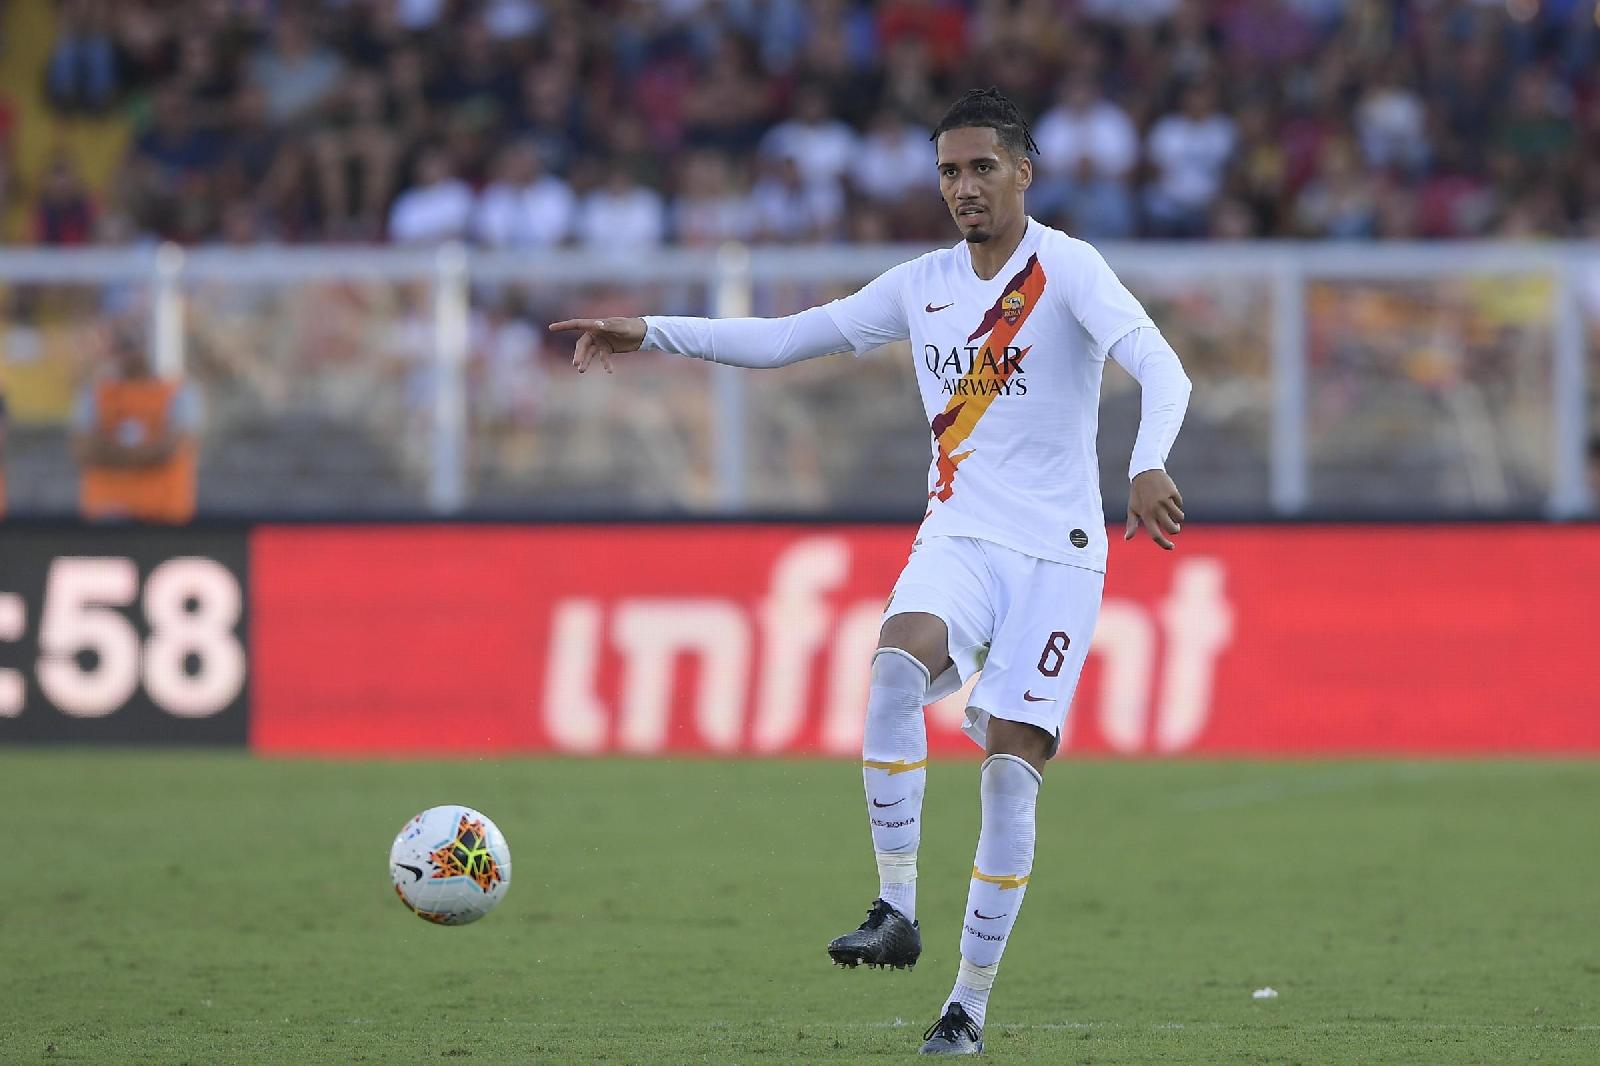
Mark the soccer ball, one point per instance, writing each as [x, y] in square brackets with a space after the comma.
[450, 865]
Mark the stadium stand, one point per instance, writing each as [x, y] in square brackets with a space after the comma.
[1338, 119]
[524, 125]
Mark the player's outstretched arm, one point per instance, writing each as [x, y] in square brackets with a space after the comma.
[602, 338]
[748, 342]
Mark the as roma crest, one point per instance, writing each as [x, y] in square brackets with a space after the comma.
[1011, 306]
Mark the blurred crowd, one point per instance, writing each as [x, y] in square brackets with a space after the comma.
[629, 123]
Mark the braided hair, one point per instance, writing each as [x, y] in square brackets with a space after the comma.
[993, 109]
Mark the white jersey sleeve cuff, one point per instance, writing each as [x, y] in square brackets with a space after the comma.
[1120, 332]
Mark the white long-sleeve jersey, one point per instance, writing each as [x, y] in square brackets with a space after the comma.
[1009, 371]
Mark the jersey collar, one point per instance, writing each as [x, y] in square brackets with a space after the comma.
[1024, 248]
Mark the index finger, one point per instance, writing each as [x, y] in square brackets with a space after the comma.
[574, 323]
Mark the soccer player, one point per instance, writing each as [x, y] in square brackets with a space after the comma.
[1010, 329]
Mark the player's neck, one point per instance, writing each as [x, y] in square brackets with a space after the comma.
[992, 254]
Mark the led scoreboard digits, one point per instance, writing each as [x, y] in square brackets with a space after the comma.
[145, 643]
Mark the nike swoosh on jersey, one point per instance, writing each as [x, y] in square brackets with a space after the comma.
[931, 309]
[1031, 698]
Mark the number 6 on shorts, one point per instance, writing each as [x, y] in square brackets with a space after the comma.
[1054, 654]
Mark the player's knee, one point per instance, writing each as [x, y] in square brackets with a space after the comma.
[922, 636]
[898, 670]
[1020, 740]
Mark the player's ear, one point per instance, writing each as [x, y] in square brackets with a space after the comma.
[1024, 173]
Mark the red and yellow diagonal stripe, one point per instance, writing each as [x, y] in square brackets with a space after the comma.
[952, 426]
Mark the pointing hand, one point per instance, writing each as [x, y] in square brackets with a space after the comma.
[603, 337]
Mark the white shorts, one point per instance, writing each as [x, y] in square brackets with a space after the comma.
[1024, 622]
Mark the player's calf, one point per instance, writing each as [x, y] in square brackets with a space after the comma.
[894, 760]
[1000, 874]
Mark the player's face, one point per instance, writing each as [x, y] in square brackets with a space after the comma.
[982, 184]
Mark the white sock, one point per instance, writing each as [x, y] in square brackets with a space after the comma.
[1009, 788]
[894, 760]
[972, 989]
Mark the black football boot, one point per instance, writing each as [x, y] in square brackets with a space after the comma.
[953, 1034]
[886, 938]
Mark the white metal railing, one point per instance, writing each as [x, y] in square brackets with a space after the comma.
[732, 274]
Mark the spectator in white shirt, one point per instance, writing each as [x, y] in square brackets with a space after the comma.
[1087, 148]
[524, 207]
[786, 210]
[418, 15]
[621, 216]
[1087, 134]
[824, 147]
[1131, 12]
[1190, 151]
[1392, 121]
[895, 158]
[711, 208]
[437, 208]
[296, 73]
[504, 357]
[512, 19]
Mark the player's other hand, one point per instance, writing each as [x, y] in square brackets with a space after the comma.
[602, 338]
[1154, 502]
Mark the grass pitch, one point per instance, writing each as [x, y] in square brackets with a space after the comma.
[203, 908]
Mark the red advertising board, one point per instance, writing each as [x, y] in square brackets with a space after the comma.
[756, 640]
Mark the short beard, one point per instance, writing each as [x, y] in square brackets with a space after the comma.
[978, 236]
